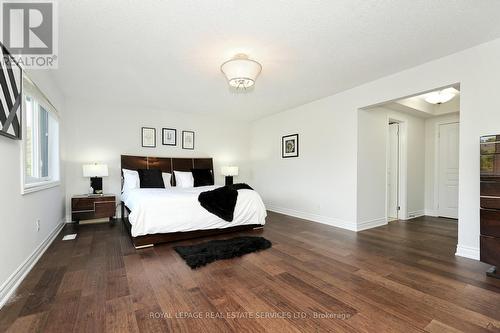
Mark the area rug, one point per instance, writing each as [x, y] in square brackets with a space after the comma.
[201, 254]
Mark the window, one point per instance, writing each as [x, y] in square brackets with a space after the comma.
[41, 140]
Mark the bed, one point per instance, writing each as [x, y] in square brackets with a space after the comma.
[155, 216]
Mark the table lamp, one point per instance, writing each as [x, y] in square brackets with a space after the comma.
[95, 172]
[229, 172]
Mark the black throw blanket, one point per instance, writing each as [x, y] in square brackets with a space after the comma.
[221, 201]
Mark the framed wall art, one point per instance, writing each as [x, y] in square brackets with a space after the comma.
[149, 137]
[169, 137]
[187, 140]
[290, 146]
[11, 78]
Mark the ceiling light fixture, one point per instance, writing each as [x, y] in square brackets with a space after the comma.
[441, 96]
[241, 72]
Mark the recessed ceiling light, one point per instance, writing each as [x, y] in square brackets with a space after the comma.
[440, 96]
[241, 72]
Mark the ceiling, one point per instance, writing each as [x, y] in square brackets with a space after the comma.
[167, 54]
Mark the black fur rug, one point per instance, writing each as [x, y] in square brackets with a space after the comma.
[201, 254]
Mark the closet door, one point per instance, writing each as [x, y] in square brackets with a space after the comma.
[448, 170]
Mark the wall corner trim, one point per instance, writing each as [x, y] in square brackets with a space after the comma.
[334, 222]
[11, 284]
[467, 252]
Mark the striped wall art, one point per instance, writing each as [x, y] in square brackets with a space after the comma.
[10, 95]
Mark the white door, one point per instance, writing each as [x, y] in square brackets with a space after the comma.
[448, 170]
[393, 172]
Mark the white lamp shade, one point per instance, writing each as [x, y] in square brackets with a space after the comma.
[229, 171]
[241, 72]
[95, 170]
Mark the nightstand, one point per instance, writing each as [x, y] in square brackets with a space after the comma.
[88, 207]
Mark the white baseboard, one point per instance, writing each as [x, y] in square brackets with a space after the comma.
[415, 214]
[467, 252]
[371, 224]
[314, 217]
[431, 212]
[9, 286]
[329, 220]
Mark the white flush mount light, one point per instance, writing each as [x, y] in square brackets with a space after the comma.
[441, 96]
[241, 72]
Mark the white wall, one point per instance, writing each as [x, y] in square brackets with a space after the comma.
[98, 133]
[326, 173]
[320, 184]
[372, 165]
[19, 238]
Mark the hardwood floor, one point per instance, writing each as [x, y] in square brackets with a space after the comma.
[399, 277]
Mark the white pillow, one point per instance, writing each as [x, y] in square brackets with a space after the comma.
[166, 179]
[184, 179]
[130, 180]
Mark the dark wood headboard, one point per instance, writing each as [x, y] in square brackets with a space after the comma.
[166, 164]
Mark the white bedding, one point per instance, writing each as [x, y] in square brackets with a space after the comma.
[177, 209]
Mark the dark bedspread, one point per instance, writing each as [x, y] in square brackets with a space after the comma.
[221, 201]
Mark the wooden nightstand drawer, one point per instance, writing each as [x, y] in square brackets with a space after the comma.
[92, 207]
[79, 204]
[103, 209]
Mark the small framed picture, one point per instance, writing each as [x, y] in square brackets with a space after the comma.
[187, 140]
[290, 146]
[149, 137]
[169, 137]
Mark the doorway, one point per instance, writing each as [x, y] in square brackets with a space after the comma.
[393, 172]
[448, 170]
[408, 158]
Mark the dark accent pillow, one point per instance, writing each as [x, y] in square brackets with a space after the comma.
[202, 177]
[151, 178]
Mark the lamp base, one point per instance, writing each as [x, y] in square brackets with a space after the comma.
[229, 180]
[96, 184]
